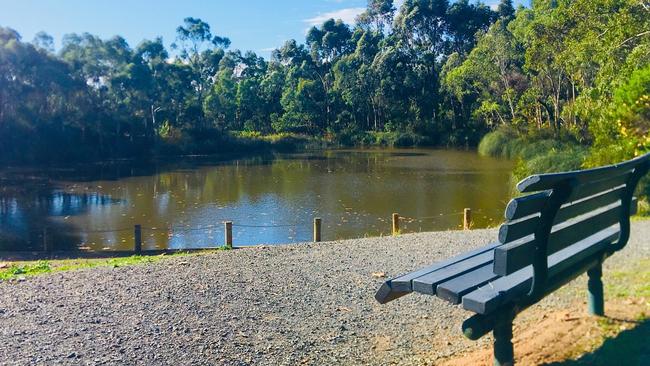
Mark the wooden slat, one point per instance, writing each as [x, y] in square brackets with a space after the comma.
[403, 283]
[527, 205]
[548, 181]
[563, 235]
[454, 289]
[503, 290]
[428, 283]
[533, 203]
[401, 286]
[481, 324]
[582, 207]
[595, 187]
[512, 257]
[386, 294]
[510, 232]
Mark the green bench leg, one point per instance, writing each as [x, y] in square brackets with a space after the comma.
[595, 288]
[504, 354]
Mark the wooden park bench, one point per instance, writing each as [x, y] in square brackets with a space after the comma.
[573, 222]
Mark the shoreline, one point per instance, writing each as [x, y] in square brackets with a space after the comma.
[94, 258]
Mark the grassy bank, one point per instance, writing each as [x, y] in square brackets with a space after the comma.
[620, 339]
[19, 270]
[543, 153]
[213, 142]
[534, 153]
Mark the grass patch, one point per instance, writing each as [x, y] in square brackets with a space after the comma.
[17, 270]
[22, 269]
[621, 342]
[617, 340]
[632, 282]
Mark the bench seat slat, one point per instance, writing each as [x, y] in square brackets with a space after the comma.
[428, 283]
[512, 257]
[488, 298]
[454, 289]
[402, 285]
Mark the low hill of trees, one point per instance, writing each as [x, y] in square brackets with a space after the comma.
[573, 72]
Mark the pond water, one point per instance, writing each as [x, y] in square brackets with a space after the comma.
[270, 199]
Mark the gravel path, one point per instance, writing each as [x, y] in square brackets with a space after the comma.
[298, 304]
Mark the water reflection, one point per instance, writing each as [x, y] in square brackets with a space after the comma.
[271, 199]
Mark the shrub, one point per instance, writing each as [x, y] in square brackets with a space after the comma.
[497, 143]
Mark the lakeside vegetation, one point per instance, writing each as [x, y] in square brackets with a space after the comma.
[560, 85]
[23, 269]
[18, 270]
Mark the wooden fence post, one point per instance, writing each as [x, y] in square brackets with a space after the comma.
[395, 224]
[137, 231]
[467, 219]
[228, 234]
[46, 242]
[317, 229]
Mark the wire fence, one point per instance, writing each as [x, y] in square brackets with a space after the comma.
[400, 225]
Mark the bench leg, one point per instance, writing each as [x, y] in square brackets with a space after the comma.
[595, 289]
[503, 349]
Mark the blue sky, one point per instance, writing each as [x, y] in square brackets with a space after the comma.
[258, 25]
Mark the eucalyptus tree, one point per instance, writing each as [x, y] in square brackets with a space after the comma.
[357, 83]
[39, 101]
[379, 15]
[327, 45]
[44, 42]
[464, 21]
[154, 56]
[491, 80]
[506, 9]
[202, 51]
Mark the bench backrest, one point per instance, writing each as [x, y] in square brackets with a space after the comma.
[568, 208]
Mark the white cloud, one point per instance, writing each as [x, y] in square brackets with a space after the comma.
[347, 15]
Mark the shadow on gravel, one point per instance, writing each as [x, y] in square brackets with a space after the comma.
[630, 348]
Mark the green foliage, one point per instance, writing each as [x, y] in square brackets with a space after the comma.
[644, 207]
[541, 158]
[623, 131]
[397, 139]
[496, 143]
[35, 268]
[534, 154]
[25, 270]
[100, 98]
[428, 72]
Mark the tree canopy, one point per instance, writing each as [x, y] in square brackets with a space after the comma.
[447, 71]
